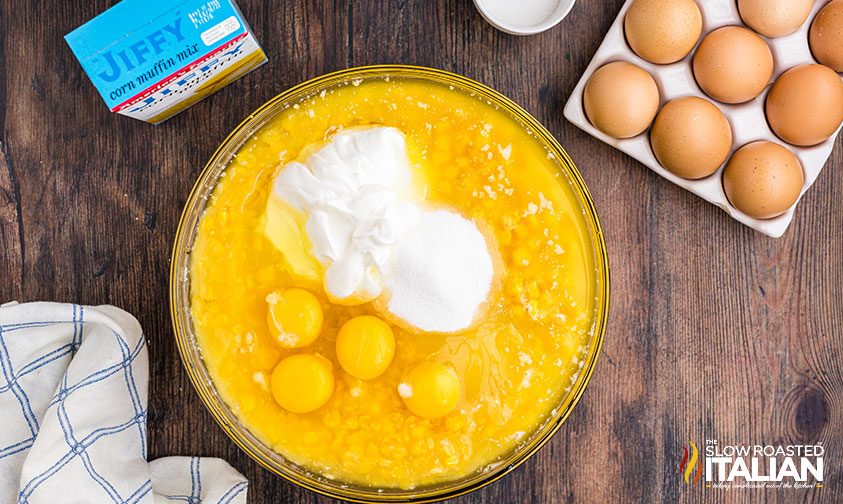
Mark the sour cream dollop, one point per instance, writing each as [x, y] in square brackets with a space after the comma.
[357, 194]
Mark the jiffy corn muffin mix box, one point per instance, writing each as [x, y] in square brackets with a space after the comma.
[151, 59]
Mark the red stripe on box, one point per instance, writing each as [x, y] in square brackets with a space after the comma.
[167, 80]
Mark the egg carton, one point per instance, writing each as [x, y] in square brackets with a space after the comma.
[748, 120]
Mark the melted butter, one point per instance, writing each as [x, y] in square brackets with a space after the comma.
[284, 227]
[515, 364]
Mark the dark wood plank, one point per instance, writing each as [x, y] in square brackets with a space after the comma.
[715, 330]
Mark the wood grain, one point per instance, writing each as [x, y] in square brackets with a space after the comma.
[715, 332]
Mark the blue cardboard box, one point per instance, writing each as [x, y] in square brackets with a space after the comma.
[151, 59]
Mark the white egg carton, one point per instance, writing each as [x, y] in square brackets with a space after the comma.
[747, 119]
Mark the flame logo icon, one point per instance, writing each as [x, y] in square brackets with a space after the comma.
[686, 467]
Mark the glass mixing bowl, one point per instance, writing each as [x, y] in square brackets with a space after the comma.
[191, 354]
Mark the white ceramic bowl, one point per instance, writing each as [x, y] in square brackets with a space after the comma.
[513, 27]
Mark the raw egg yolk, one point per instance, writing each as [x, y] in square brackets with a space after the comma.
[294, 317]
[430, 390]
[302, 383]
[365, 347]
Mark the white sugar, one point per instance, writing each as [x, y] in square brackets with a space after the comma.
[522, 14]
[439, 273]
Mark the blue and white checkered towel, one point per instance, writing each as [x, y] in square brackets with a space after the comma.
[73, 385]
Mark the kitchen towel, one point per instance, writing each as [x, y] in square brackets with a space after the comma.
[73, 388]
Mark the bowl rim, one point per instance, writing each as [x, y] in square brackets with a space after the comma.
[216, 406]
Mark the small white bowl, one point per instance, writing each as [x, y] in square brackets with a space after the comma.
[511, 26]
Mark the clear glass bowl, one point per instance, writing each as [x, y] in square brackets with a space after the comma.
[191, 354]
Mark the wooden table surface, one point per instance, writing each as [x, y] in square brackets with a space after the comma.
[715, 331]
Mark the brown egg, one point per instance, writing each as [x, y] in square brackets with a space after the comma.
[826, 35]
[621, 99]
[663, 31]
[775, 18]
[763, 179]
[691, 137]
[733, 64]
[805, 105]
